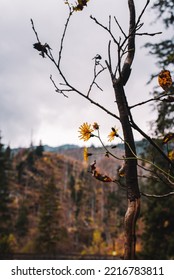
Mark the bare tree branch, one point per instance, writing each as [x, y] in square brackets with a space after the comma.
[157, 195]
[124, 34]
[149, 100]
[32, 24]
[142, 12]
[106, 28]
[63, 36]
[57, 89]
[96, 74]
[148, 34]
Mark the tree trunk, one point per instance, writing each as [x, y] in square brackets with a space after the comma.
[133, 194]
[129, 225]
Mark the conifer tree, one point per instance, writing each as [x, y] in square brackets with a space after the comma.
[5, 219]
[39, 150]
[21, 225]
[48, 224]
[163, 51]
[158, 217]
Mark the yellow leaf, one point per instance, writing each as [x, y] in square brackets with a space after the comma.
[165, 80]
[169, 136]
[171, 155]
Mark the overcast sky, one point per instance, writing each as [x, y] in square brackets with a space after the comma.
[29, 106]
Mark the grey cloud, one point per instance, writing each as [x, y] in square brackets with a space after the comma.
[28, 98]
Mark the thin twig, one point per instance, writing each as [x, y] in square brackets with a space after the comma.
[63, 36]
[120, 27]
[160, 98]
[32, 24]
[57, 89]
[157, 195]
[148, 34]
[109, 56]
[165, 180]
[104, 27]
[143, 11]
[144, 194]
[96, 74]
[110, 23]
[98, 86]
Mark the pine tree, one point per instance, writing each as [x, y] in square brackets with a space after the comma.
[163, 51]
[159, 229]
[159, 225]
[5, 219]
[21, 225]
[48, 225]
[158, 216]
[39, 150]
[165, 10]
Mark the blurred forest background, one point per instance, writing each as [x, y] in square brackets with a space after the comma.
[50, 204]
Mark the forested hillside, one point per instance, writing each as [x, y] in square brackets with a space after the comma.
[56, 205]
[51, 203]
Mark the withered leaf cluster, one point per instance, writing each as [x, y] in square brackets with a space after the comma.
[43, 49]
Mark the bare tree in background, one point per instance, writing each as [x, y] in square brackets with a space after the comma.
[119, 73]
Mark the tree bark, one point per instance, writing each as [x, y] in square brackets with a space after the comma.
[130, 234]
[133, 194]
